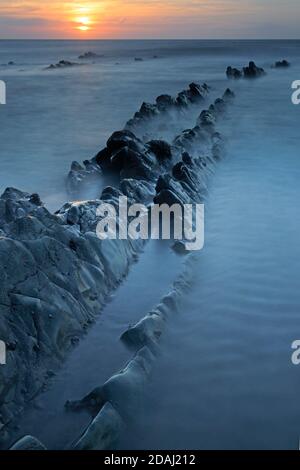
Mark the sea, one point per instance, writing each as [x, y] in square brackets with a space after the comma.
[224, 378]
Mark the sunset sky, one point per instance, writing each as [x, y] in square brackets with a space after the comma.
[94, 19]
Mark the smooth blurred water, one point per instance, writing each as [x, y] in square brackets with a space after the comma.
[224, 378]
[54, 117]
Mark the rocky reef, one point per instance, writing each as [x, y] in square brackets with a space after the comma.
[62, 64]
[250, 71]
[56, 274]
[127, 154]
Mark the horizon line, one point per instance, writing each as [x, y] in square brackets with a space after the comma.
[149, 39]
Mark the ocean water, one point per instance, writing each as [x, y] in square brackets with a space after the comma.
[224, 379]
[54, 117]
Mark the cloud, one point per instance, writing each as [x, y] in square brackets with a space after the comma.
[151, 18]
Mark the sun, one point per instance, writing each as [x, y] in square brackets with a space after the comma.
[85, 20]
[84, 23]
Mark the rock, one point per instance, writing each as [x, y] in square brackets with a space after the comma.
[207, 118]
[139, 190]
[161, 149]
[62, 64]
[232, 72]
[165, 102]
[103, 432]
[252, 71]
[89, 55]
[146, 332]
[122, 139]
[124, 390]
[282, 64]
[28, 443]
[228, 95]
[180, 248]
[55, 275]
[93, 402]
[138, 59]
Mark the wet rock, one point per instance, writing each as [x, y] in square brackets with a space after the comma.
[138, 190]
[55, 276]
[180, 248]
[62, 64]
[161, 149]
[165, 102]
[252, 71]
[121, 139]
[103, 432]
[93, 402]
[146, 332]
[124, 390]
[232, 72]
[28, 443]
[89, 55]
[281, 64]
[228, 95]
[125, 154]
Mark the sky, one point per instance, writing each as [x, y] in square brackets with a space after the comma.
[134, 19]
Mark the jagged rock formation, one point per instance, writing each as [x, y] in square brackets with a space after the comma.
[125, 145]
[56, 274]
[124, 392]
[62, 64]
[251, 71]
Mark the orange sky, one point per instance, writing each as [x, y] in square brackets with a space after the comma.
[148, 18]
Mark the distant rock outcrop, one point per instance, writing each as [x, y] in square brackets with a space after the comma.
[280, 64]
[251, 71]
[89, 55]
[62, 64]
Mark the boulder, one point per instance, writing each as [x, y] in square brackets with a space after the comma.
[103, 432]
[28, 443]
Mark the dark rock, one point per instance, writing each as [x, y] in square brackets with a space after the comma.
[89, 55]
[252, 71]
[103, 158]
[122, 139]
[232, 72]
[164, 102]
[180, 247]
[62, 64]
[282, 64]
[161, 149]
